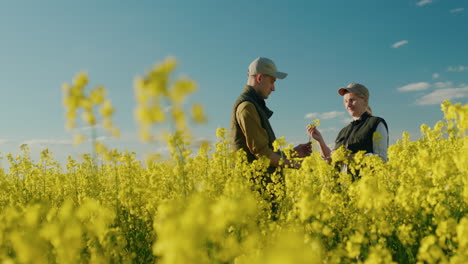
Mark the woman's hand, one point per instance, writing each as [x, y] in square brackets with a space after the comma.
[314, 133]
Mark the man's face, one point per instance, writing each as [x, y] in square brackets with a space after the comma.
[266, 85]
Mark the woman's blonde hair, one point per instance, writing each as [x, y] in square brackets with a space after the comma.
[368, 108]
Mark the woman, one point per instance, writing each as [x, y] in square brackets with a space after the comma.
[365, 132]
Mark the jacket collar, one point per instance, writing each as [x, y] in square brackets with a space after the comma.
[250, 91]
[361, 119]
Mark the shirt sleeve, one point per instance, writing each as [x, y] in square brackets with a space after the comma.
[256, 136]
[380, 140]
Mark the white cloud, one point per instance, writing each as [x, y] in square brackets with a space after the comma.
[327, 115]
[328, 130]
[32, 142]
[399, 44]
[441, 85]
[311, 115]
[88, 128]
[420, 86]
[331, 115]
[197, 142]
[103, 138]
[457, 10]
[5, 141]
[438, 96]
[457, 68]
[163, 151]
[347, 120]
[435, 76]
[423, 2]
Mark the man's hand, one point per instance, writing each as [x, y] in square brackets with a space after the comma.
[303, 150]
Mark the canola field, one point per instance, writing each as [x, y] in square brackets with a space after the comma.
[201, 206]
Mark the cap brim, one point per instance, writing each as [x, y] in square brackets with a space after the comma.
[342, 91]
[278, 75]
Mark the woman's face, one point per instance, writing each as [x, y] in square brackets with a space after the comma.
[355, 105]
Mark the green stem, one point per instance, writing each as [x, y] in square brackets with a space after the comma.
[93, 141]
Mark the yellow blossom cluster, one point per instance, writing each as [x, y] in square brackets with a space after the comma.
[157, 96]
[314, 123]
[75, 98]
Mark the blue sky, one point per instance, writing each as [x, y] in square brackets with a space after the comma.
[411, 54]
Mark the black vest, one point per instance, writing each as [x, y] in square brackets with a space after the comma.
[239, 142]
[358, 134]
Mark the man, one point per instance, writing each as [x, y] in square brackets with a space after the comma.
[251, 130]
[250, 127]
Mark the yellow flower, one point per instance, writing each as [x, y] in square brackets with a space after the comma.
[157, 114]
[179, 118]
[143, 116]
[221, 132]
[70, 124]
[107, 110]
[377, 138]
[115, 132]
[145, 135]
[89, 118]
[81, 79]
[166, 67]
[78, 139]
[87, 104]
[198, 113]
[278, 143]
[315, 123]
[98, 94]
[181, 89]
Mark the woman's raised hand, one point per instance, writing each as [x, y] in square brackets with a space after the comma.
[314, 133]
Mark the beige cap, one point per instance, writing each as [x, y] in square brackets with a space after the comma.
[265, 66]
[355, 88]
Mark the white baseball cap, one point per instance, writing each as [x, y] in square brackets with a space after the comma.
[266, 66]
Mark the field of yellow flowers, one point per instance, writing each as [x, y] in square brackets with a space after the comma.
[198, 206]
